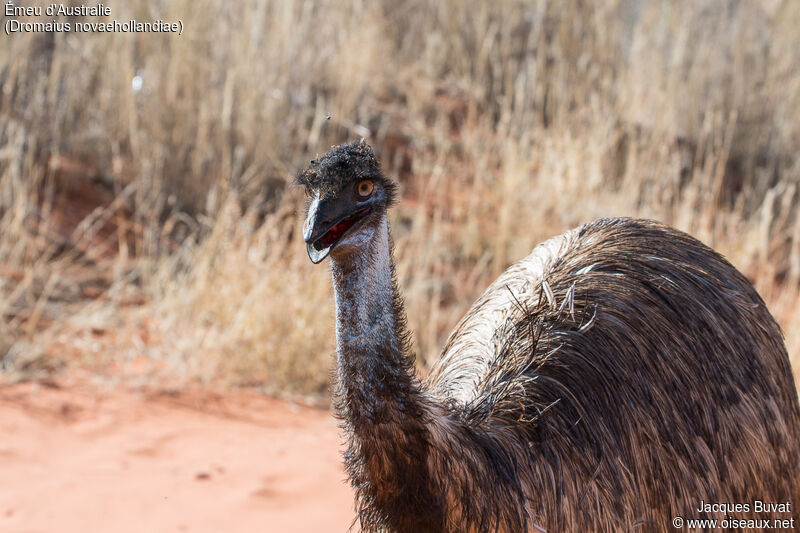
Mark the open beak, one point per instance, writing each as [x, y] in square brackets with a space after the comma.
[327, 221]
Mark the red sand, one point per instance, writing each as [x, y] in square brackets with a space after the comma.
[75, 460]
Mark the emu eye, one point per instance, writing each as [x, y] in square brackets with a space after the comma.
[364, 188]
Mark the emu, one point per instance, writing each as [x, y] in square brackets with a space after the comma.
[620, 376]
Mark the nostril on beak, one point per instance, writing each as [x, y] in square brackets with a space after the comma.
[307, 230]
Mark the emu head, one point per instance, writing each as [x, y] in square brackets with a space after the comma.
[349, 196]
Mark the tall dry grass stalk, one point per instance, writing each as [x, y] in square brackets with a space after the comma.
[154, 223]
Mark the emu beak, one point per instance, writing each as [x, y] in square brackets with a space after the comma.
[327, 221]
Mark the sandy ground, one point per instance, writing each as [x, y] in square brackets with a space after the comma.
[77, 460]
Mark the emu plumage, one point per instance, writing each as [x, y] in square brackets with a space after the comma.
[612, 380]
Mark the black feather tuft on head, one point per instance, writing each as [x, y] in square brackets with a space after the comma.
[344, 164]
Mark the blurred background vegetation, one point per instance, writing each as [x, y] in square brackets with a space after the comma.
[148, 232]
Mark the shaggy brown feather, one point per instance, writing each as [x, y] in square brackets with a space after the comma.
[652, 378]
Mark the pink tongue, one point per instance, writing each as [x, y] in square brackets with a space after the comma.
[333, 234]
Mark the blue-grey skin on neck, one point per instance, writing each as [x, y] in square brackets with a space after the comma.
[362, 281]
[378, 395]
[375, 373]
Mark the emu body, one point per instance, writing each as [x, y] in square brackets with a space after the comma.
[619, 376]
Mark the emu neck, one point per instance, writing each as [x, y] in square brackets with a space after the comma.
[375, 373]
[394, 429]
[364, 298]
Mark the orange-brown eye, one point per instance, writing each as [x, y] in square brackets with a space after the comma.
[364, 188]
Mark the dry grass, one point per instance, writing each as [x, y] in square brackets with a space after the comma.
[150, 234]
